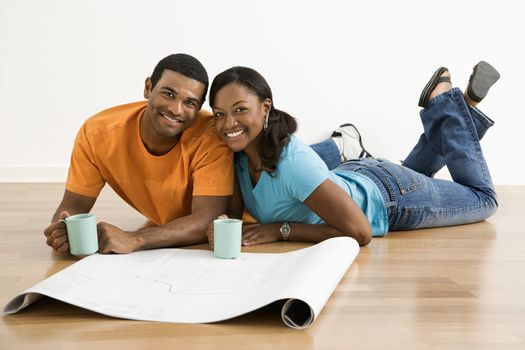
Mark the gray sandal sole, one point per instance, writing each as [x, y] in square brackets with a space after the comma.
[481, 80]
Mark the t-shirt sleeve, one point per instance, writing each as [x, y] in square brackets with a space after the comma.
[302, 173]
[84, 176]
[213, 173]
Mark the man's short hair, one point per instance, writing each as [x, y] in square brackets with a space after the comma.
[184, 64]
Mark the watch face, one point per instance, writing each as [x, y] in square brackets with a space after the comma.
[285, 230]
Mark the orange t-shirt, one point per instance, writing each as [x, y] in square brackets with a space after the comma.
[108, 148]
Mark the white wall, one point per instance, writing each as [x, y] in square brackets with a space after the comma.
[328, 62]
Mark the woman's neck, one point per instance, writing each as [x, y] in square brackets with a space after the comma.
[252, 152]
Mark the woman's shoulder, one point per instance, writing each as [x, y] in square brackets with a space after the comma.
[297, 155]
[296, 149]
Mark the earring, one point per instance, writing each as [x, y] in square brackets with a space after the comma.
[265, 126]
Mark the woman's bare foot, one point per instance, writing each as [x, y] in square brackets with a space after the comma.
[442, 86]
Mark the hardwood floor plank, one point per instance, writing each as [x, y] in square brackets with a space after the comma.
[449, 288]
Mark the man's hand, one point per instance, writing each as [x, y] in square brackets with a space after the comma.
[111, 239]
[56, 234]
[258, 234]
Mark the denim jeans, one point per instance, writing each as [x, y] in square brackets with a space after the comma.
[328, 152]
[414, 199]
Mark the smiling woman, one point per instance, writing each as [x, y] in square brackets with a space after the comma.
[246, 119]
[241, 122]
[270, 164]
[293, 195]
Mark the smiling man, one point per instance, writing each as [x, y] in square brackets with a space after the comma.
[162, 156]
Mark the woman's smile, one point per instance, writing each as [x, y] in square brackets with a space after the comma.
[235, 134]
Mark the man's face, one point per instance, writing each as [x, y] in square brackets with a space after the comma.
[173, 104]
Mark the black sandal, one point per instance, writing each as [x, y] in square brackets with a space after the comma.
[432, 83]
[482, 78]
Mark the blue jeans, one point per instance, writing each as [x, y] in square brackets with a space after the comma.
[414, 199]
[328, 152]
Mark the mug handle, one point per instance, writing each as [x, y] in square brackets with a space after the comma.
[64, 222]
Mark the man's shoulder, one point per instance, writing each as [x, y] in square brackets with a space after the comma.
[115, 117]
[203, 128]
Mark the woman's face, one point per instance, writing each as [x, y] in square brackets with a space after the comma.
[239, 116]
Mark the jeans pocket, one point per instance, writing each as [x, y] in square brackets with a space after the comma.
[407, 180]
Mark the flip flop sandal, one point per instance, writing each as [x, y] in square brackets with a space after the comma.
[432, 83]
[482, 78]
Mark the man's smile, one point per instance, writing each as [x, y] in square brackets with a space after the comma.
[172, 120]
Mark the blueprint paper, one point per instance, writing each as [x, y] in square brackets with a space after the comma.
[192, 286]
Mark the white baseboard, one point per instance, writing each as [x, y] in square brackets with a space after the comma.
[33, 173]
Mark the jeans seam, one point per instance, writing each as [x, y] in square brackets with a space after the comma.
[490, 207]
[485, 204]
[465, 114]
[481, 117]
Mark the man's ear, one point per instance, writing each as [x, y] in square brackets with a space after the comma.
[147, 87]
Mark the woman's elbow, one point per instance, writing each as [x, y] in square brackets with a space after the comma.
[361, 233]
[365, 238]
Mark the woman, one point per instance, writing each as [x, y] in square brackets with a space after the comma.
[289, 190]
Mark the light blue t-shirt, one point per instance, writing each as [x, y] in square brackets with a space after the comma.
[279, 197]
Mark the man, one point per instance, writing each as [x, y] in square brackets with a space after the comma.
[162, 156]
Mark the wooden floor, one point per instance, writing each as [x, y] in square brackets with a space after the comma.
[450, 288]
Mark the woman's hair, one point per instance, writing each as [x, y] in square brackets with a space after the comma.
[280, 124]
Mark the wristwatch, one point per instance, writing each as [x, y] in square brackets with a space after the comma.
[285, 231]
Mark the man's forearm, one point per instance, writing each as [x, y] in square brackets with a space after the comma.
[186, 230]
[183, 231]
[73, 204]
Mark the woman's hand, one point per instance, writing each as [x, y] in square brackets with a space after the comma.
[258, 234]
[210, 231]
